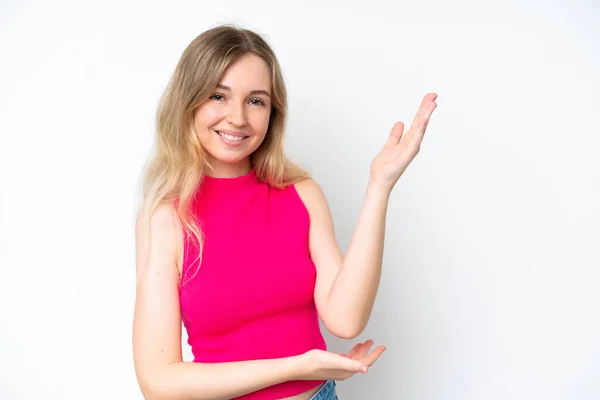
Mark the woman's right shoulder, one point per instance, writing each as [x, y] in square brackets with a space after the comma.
[157, 236]
[156, 318]
[164, 215]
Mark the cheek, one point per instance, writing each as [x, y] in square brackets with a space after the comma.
[260, 122]
[208, 117]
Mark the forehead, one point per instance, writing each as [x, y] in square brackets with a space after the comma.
[247, 73]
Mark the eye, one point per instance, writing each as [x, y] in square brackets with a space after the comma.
[217, 97]
[257, 102]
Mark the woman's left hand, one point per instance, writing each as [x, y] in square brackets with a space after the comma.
[400, 149]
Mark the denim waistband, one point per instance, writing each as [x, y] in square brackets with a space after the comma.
[327, 392]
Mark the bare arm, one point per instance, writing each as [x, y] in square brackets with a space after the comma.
[160, 371]
[347, 285]
[355, 287]
[188, 380]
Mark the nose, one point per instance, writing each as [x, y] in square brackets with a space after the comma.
[237, 115]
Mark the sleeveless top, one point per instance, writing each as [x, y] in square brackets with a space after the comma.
[253, 295]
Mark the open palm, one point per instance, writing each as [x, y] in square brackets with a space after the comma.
[401, 148]
[360, 352]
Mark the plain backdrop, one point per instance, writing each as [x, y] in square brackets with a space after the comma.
[490, 287]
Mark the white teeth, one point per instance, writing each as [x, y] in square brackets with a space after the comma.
[230, 137]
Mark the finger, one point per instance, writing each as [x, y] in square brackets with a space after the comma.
[428, 98]
[426, 104]
[421, 119]
[371, 358]
[353, 351]
[375, 354]
[350, 364]
[433, 107]
[395, 134]
[364, 349]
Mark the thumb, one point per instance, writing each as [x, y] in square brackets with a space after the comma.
[395, 134]
[350, 364]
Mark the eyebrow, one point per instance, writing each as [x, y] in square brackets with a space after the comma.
[223, 87]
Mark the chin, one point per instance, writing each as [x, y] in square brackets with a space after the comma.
[225, 157]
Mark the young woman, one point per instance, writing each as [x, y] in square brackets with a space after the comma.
[238, 243]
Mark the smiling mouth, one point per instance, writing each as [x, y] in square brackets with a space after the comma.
[231, 137]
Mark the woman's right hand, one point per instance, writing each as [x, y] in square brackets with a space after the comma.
[324, 365]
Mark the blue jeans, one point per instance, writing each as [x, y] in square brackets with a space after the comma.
[327, 392]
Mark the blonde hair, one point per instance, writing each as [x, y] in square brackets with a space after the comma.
[175, 169]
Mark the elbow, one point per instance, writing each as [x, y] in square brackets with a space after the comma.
[154, 391]
[346, 331]
[347, 336]
[149, 390]
[153, 387]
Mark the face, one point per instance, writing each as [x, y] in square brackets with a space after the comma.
[233, 121]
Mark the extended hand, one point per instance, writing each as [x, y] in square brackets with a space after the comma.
[360, 353]
[400, 150]
[324, 365]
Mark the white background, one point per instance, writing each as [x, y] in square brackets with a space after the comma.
[491, 279]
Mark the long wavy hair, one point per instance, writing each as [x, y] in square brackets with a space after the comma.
[174, 171]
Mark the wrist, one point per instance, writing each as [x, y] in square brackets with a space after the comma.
[302, 365]
[379, 190]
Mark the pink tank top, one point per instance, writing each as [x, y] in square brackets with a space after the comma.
[253, 296]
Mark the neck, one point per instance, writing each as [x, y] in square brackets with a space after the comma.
[228, 170]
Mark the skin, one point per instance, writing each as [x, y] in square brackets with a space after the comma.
[346, 284]
[241, 105]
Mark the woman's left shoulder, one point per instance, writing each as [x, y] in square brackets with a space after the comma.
[310, 193]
